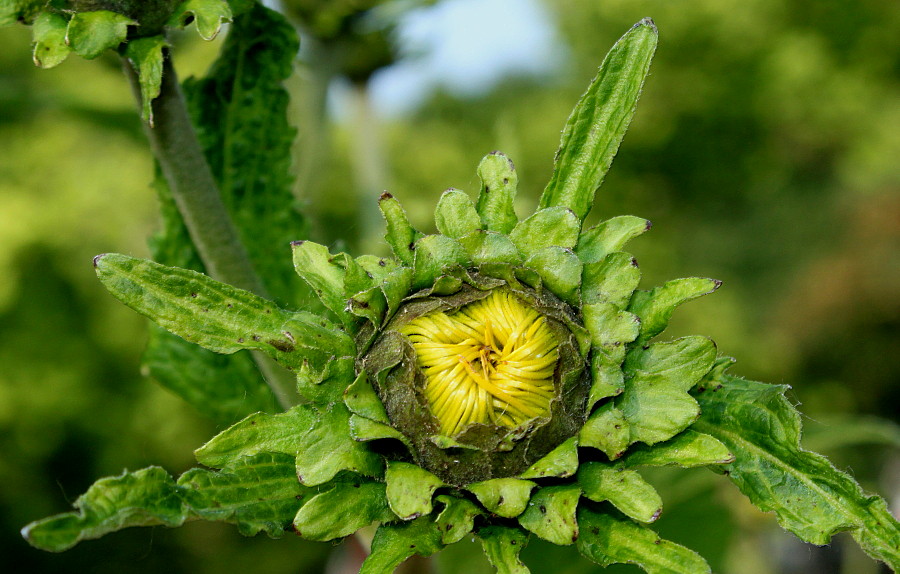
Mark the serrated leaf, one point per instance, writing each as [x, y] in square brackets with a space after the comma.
[147, 497]
[562, 461]
[560, 271]
[91, 33]
[609, 236]
[807, 494]
[611, 280]
[433, 255]
[551, 514]
[394, 543]
[624, 488]
[496, 201]
[49, 37]
[687, 449]
[455, 214]
[225, 388]
[324, 273]
[554, 226]
[490, 247]
[506, 497]
[342, 510]
[259, 493]
[598, 123]
[208, 15]
[655, 307]
[239, 110]
[502, 546]
[607, 540]
[146, 56]
[400, 235]
[456, 519]
[606, 430]
[409, 489]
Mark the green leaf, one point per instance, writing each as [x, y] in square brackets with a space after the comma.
[233, 319]
[611, 280]
[400, 235]
[607, 540]
[394, 543]
[324, 273]
[147, 497]
[807, 494]
[609, 236]
[598, 123]
[92, 33]
[49, 37]
[506, 497]
[562, 461]
[555, 226]
[209, 15]
[490, 247]
[496, 202]
[342, 510]
[607, 379]
[502, 546]
[655, 307]
[433, 255]
[146, 56]
[610, 328]
[551, 514]
[239, 110]
[259, 493]
[624, 488]
[225, 388]
[12, 11]
[409, 489]
[560, 270]
[607, 430]
[456, 519]
[688, 449]
[455, 215]
[364, 430]
[361, 399]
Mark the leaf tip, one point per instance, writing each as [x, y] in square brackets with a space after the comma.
[97, 258]
[385, 196]
[648, 23]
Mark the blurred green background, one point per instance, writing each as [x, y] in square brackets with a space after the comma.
[765, 149]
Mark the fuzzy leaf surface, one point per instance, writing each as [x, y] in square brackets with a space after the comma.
[146, 55]
[342, 510]
[409, 489]
[624, 488]
[502, 546]
[394, 543]
[655, 307]
[609, 236]
[455, 214]
[499, 182]
[457, 518]
[551, 514]
[506, 497]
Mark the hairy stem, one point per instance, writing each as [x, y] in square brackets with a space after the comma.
[194, 189]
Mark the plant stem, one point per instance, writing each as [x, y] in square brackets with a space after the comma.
[196, 194]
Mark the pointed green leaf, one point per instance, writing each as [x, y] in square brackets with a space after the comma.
[209, 15]
[681, 362]
[562, 461]
[607, 379]
[506, 497]
[400, 235]
[49, 37]
[598, 123]
[259, 493]
[607, 430]
[688, 449]
[361, 399]
[342, 510]
[655, 307]
[394, 543]
[409, 489]
[655, 411]
[551, 514]
[146, 56]
[496, 202]
[396, 287]
[554, 226]
[560, 270]
[607, 540]
[147, 497]
[328, 448]
[232, 319]
[92, 33]
[490, 247]
[611, 280]
[433, 255]
[610, 327]
[363, 429]
[502, 546]
[455, 215]
[624, 488]
[324, 273]
[807, 494]
[609, 236]
[456, 519]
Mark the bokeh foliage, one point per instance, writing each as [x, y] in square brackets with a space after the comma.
[764, 151]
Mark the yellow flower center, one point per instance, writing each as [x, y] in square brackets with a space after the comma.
[491, 361]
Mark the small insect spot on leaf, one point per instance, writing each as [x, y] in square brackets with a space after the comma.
[412, 546]
[298, 243]
[384, 196]
[595, 530]
[256, 337]
[448, 528]
[381, 263]
[500, 500]
[240, 340]
[543, 509]
[193, 294]
[513, 542]
[657, 541]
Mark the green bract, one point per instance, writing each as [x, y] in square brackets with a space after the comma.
[364, 447]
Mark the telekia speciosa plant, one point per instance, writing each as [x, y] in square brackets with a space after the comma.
[503, 378]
